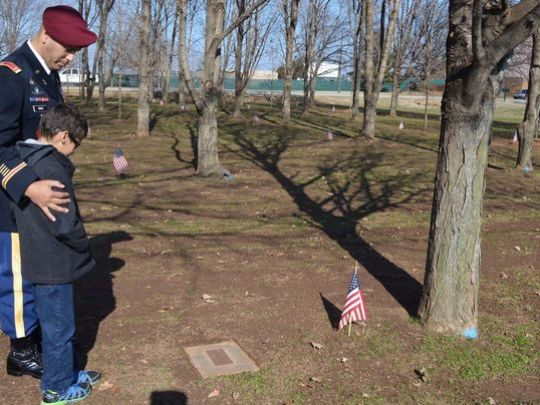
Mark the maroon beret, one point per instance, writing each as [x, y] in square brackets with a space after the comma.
[65, 25]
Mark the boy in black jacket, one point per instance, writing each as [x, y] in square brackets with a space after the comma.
[55, 254]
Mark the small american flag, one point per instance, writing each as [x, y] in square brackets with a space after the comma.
[120, 162]
[354, 309]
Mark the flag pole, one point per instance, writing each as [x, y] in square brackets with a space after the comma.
[350, 325]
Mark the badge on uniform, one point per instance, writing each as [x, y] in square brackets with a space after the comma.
[40, 108]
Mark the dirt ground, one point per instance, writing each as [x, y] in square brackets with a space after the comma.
[275, 248]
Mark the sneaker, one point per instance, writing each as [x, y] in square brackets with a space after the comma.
[89, 377]
[74, 393]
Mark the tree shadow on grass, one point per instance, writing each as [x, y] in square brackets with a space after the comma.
[348, 201]
[94, 291]
[193, 143]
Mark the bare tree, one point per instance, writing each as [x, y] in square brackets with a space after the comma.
[405, 47]
[527, 129]
[480, 36]
[186, 21]
[18, 20]
[122, 47]
[88, 80]
[431, 58]
[321, 43]
[251, 36]
[206, 102]
[290, 17]
[104, 8]
[143, 123]
[375, 69]
[168, 49]
[358, 30]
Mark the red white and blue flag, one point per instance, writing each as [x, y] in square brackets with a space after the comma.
[354, 309]
[120, 162]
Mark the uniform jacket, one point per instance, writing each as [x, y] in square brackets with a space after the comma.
[51, 252]
[26, 92]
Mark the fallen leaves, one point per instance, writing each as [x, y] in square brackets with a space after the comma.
[214, 393]
[105, 385]
[208, 298]
[316, 345]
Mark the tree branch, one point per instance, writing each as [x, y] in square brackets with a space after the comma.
[239, 20]
[514, 34]
[477, 46]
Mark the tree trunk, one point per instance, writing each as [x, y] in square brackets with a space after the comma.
[450, 301]
[426, 99]
[374, 83]
[395, 84]
[102, 85]
[238, 85]
[120, 78]
[528, 128]
[290, 9]
[84, 69]
[370, 104]
[207, 147]
[312, 89]
[143, 123]
[475, 48]
[357, 51]
[309, 70]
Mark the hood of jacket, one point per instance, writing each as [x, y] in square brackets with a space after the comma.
[32, 151]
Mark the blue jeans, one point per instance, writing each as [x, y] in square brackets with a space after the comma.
[55, 308]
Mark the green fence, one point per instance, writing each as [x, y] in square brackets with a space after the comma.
[263, 85]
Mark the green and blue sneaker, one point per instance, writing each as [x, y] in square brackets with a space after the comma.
[74, 393]
[89, 377]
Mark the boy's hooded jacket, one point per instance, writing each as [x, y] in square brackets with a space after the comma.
[51, 252]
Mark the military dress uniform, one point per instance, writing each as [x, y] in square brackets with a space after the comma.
[26, 93]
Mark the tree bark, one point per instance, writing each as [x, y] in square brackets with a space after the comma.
[396, 82]
[527, 129]
[357, 55]
[143, 123]
[105, 7]
[238, 88]
[310, 72]
[290, 11]
[476, 46]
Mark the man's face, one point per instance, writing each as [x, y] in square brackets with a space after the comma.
[56, 55]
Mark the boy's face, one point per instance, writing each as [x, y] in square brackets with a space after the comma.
[64, 143]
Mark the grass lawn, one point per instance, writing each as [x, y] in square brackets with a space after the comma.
[276, 247]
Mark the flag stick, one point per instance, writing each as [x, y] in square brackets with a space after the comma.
[350, 324]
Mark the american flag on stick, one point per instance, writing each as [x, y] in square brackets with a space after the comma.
[120, 162]
[354, 309]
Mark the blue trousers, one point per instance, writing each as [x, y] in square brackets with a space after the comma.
[17, 313]
[55, 308]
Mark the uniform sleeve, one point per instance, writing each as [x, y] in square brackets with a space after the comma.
[15, 175]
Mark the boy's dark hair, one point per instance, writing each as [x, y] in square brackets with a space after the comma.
[64, 117]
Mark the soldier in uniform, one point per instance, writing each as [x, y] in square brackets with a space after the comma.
[29, 86]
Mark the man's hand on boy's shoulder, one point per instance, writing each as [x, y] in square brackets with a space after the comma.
[42, 194]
